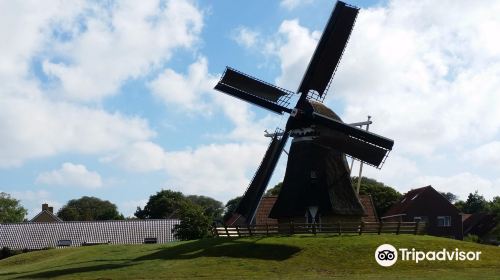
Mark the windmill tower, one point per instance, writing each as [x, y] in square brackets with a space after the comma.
[317, 181]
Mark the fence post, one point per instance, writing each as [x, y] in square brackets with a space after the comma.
[238, 231]
[291, 227]
[267, 229]
[399, 227]
[314, 228]
[362, 225]
[381, 224]
[340, 228]
[416, 227]
[227, 232]
[249, 230]
[215, 231]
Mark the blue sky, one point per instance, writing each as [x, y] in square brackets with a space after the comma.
[115, 99]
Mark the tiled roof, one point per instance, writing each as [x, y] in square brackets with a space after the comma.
[367, 202]
[406, 201]
[46, 214]
[262, 214]
[44, 235]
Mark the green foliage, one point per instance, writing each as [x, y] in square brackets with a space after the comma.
[472, 238]
[194, 223]
[211, 208]
[460, 205]
[231, 207]
[383, 196]
[274, 190]
[450, 196]
[10, 209]
[89, 208]
[164, 204]
[475, 203]
[494, 207]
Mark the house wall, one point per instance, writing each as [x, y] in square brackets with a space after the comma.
[432, 204]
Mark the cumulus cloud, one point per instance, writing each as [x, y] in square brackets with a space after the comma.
[71, 175]
[140, 157]
[127, 41]
[35, 127]
[487, 155]
[245, 37]
[292, 4]
[186, 91]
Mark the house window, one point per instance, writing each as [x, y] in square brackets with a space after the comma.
[444, 221]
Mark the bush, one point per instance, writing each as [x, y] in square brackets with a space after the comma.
[194, 224]
[472, 238]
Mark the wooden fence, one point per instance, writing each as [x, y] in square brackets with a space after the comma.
[338, 228]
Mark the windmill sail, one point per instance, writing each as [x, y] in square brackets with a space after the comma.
[327, 55]
[254, 91]
[250, 200]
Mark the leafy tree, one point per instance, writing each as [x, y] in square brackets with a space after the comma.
[494, 206]
[274, 190]
[194, 224]
[165, 204]
[452, 198]
[460, 205]
[89, 208]
[231, 207]
[383, 196]
[211, 208]
[475, 203]
[10, 209]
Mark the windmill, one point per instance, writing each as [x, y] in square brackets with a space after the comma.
[317, 174]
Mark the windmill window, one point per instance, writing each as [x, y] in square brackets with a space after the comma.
[313, 174]
[443, 221]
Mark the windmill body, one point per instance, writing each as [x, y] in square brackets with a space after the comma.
[317, 181]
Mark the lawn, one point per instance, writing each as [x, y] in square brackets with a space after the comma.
[296, 257]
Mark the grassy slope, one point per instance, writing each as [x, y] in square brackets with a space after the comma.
[295, 257]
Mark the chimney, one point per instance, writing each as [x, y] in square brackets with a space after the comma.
[51, 209]
[45, 207]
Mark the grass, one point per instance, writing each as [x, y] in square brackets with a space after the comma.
[296, 257]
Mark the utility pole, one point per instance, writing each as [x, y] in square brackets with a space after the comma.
[361, 164]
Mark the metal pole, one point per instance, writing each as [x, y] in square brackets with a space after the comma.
[361, 164]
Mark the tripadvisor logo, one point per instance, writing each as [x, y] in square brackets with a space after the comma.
[387, 255]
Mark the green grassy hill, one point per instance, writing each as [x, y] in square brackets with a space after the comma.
[296, 257]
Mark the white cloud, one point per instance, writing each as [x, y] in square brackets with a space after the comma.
[185, 91]
[295, 46]
[71, 175]
[128, 208]
[126, 42]
[34, 127]
[487, 155]
[245, 37]
[221, 171]
[140, 157]
[292, 4]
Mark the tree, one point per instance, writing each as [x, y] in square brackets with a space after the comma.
[211, 208]
[231, 207]
[89, 208]
[165, 204]
[460, 205]
[475, 203]
[494, 206]
[383, 196]
[10, 209]
[274, 190]
[452, 198]
[194, 224]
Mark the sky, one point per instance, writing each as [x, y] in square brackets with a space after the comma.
[115, 99]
